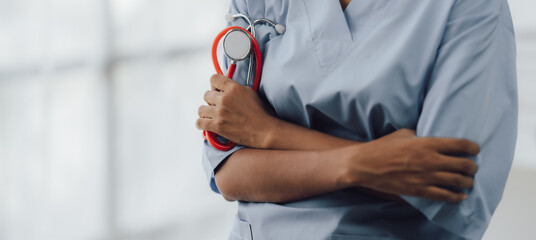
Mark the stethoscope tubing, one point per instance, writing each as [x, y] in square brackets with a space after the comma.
[211, 137]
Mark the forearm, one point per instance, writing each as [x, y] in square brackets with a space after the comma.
[256, 175]
[282, 186]
[290, 136]
[283, 135]
[396, 164]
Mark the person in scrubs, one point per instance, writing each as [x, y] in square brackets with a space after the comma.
[375, 119]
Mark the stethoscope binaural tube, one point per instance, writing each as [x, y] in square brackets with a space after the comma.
[211, 137]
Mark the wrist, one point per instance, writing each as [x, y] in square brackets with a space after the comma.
[347, 161]
[269, 133]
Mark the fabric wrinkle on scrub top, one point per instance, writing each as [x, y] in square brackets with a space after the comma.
[445, 68]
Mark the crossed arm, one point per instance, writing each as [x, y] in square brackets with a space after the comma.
[278, 167]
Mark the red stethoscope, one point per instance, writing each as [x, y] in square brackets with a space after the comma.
[237, 45]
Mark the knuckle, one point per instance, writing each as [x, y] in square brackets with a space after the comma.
[219, 124]
[221, 112]
[413, 148]
[214, 77]
[429, 156]
[420, 158]
[207, 94]
[426, 163]
[422, 143]
[225, 100]
[233, 87]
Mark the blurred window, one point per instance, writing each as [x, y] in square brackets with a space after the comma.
[97, 109]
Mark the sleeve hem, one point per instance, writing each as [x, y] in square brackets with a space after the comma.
[212, 159]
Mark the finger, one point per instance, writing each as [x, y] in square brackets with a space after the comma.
[206, 111]
[453, 145]
[441, 194]
[221, 83]
[450, 179]
[203, 124]
[212, 97]
[454, 164]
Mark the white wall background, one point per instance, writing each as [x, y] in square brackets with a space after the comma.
[98, 100]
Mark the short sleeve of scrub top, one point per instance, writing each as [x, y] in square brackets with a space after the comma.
[444, 68]
[472, 94]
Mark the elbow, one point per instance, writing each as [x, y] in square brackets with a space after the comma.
[226, 188]
[246, 186]
[233, 189]
[228, 198]
[227, 195]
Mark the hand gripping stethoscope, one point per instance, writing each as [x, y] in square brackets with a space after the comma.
[237, 45]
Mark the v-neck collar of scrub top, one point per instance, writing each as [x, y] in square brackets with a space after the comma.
[334, 31]
[327, 20]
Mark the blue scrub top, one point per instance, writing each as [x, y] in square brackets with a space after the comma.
[445, 68]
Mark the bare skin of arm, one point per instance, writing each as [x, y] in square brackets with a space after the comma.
[283, 168]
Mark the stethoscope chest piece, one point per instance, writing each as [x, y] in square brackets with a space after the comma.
[237, 45]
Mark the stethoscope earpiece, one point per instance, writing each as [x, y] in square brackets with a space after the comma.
[280, 28]
[229, 18]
